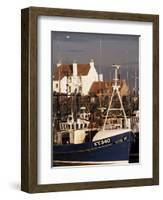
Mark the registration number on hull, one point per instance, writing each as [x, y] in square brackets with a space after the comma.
[102, 142]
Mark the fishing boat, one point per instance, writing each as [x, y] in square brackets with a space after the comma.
[80, 140]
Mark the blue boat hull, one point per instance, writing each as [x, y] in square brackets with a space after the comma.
[115, 148]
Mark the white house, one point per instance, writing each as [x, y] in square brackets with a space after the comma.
[69, 78]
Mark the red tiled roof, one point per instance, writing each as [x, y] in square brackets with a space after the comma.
[61, 71]
[83, 69]
[67, 70]
[98, 87]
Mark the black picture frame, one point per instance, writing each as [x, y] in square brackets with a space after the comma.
[29, 173]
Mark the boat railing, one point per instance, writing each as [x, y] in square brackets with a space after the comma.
[73, 126]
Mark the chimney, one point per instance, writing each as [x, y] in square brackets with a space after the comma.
[59, 63]
[100, 77]
[74, 68]
[91, 63]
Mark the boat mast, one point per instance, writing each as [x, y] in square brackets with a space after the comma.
[99, 81]
[116, 87]
[135, 84]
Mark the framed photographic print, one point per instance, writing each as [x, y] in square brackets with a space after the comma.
[90, 100]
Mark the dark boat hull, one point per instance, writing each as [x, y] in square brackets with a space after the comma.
[109, 150]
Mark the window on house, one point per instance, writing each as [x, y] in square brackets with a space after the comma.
[80, 89]
[70, 79]
[69, 89]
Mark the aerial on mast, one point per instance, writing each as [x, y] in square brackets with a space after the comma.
[116, 78]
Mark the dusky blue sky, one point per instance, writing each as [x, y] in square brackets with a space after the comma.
[104, 49]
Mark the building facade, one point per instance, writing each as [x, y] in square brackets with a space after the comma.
[74, 78]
